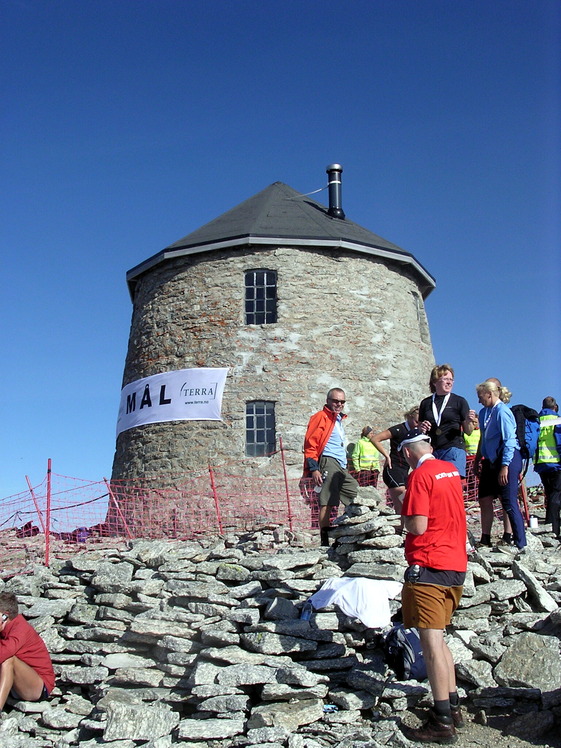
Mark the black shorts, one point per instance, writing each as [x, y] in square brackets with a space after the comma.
[395, 477]
[44, 695]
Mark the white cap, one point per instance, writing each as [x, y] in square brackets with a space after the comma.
[415, 435]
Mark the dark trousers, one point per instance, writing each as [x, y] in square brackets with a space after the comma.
[508, 495]
[551, 481]
[509, 500]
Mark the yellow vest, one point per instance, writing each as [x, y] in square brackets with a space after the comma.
[471, 442]
[365, 455]
[547, 445]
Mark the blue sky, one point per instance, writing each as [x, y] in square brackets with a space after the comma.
[127, 124]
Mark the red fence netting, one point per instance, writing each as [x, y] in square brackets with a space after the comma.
[61, 513]
[50, 519]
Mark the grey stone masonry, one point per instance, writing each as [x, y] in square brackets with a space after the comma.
[344, 319]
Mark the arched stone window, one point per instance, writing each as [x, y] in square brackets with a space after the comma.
[260, 297]
[260, 428]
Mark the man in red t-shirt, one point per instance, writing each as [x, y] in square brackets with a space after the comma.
[25, 665]
[435, 549]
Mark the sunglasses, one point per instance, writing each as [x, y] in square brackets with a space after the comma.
[337, 402]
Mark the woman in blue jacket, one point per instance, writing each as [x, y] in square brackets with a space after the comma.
[501, 465]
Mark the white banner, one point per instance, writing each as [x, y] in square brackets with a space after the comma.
[184, 395]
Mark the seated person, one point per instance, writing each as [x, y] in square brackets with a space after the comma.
[26, 670]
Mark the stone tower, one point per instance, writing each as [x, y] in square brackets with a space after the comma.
[293, 298]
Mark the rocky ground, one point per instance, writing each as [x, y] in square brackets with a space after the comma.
[156, 643]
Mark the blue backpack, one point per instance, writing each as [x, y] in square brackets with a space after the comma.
[403, 653]
[527, 429]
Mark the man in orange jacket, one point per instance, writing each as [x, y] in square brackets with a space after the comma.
[325, 458]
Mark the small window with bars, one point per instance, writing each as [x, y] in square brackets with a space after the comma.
[260, 434]
[260, 297]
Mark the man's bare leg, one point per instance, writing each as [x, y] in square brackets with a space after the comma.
[486, 506]
[22, 678]
[439, 727]
[324, 516]
[439, 662]
[397, 495]
[324, 521]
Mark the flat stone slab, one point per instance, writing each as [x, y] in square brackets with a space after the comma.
[209, 729]
[276, 644]
[532, 661]
[127, 721]
[288, 716]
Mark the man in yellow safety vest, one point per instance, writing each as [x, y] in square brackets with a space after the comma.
[547, 461]
[472, 440]
[366, 460]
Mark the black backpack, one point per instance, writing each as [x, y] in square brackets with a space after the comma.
[403, 653]
[527, 431]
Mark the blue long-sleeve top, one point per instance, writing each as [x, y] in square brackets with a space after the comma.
[498, 433]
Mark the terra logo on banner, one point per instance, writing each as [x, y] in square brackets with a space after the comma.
[184, 395]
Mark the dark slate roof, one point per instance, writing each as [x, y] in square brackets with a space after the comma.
[280, 214]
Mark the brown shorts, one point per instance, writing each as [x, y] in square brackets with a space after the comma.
[428, 606]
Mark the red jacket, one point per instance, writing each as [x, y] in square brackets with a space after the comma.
[320, 428]
[19, 638]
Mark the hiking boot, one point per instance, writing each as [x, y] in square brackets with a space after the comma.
[502, 543]
[481, 544]
[435, 730]
[457, 717]
[511, 550]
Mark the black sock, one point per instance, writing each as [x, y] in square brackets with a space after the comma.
[442, 708]
[507, 537]
[485, 539]
[454, 699]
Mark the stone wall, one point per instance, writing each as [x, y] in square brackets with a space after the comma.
[344, 319]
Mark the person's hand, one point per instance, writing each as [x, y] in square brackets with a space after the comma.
[503, 475]
[425, 426]
[472, 416]
[388, 463]
[318, 480]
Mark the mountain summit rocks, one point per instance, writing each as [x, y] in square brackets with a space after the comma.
[201, 642]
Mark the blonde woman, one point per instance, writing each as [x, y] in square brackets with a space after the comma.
[498, 462]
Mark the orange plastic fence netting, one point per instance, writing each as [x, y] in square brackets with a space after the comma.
[55, 513]
[471, 486]
[52, 518]
[211, 503]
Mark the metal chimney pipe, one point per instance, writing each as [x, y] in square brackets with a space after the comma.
[334, 172]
